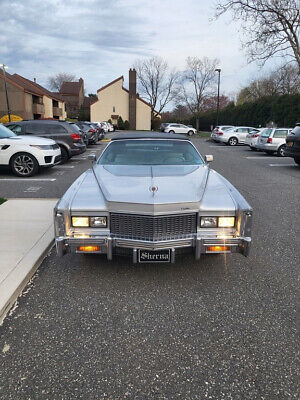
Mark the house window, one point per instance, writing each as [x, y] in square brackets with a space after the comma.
[114, 109]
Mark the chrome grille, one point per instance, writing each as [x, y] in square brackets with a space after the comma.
[144, 227]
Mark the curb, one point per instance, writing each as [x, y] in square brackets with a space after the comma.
[15, 282]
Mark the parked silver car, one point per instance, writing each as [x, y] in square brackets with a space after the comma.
[234, 136]
[252, 137]
[151, 196]
[217, 129]
[180, 128]
[272, 140]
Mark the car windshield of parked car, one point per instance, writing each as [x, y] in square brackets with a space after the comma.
[266, 132]
[150, 152]
[6, 133]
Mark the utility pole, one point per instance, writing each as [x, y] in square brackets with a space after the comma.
[218, 101]
[6, 93]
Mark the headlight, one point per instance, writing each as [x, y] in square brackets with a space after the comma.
[209, 222]
[80, 222]
[226, 222]
[217, 222]
[98, 222]
[42, 146]
[93, 222]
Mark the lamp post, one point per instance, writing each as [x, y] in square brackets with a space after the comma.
[6, 93]
[218, 101]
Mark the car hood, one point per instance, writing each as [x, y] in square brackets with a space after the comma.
[152, 184]
[30, 139]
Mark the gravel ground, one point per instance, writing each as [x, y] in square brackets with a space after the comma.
[220, 328]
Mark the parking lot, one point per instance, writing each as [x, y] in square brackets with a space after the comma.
[223, 327]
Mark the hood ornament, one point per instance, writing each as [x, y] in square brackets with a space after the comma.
[153, 189]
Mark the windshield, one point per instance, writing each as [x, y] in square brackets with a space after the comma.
[150, 152]
[5, 132]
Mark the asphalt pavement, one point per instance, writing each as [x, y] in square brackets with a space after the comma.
[223, 327]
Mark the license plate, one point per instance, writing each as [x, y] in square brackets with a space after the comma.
[154, 256]
[290, 144]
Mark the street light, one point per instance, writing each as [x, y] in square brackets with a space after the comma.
[218, 101]
[6, 94]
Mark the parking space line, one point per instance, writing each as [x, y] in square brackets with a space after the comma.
[65, 166]
[282, 165]
[28, 179]
[258, 157]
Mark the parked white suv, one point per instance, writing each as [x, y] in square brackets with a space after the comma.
[234, 136]
[26, 154]
[272, 140]
[179, 128]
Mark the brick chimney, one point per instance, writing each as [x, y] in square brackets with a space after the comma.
[132, 98]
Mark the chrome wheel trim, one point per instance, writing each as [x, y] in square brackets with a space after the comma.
[23, 164]
[232, 142]
[281, 151]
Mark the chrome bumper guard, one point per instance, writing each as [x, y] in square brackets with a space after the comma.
[200, 244]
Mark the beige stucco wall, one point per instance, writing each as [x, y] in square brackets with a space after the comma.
[61, 104]
[112, 96]
[28, 106]
[15, 97]
[143, 116]
[48, 107]
[115, 96]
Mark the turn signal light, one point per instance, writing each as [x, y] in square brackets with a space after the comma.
[88, 248]
[217, 249]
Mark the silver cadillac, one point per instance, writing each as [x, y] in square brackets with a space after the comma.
[152, 196]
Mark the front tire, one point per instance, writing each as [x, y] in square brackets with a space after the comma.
[171, 132]
[190, 133]
[232, 141]
[24, 165]
[280, 151]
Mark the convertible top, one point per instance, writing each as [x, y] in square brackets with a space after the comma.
[149, 135]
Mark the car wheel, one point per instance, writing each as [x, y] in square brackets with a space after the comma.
[171, 132]
[280, 151]
[297, 160]
[24, 164]
[64, 154]
[190, 133]
[232, 141]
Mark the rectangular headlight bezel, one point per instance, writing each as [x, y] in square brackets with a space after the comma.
[93, 221]
[217, 222]
[88, 221]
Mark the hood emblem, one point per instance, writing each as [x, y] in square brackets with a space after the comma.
[153, 189]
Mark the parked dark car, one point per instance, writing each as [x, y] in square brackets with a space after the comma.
[66, 135]
[292, 148]
[89, 130]
[163, 125]
[99, 130]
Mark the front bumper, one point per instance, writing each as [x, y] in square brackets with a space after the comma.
[196, 244]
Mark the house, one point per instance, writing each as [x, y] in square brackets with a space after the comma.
[28, 99]
[73, 95]
[115, 101]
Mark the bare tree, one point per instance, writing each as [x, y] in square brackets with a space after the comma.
[285, 80]
[157, 84]
[271, 27]
[198, 84]
[55, 81]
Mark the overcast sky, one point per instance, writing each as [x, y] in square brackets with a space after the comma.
[99, 40]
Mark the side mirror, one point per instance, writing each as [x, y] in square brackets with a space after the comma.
[92, 157]
[209, 158]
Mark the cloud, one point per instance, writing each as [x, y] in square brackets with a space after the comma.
[100, 39]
